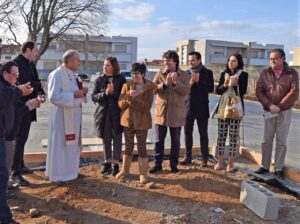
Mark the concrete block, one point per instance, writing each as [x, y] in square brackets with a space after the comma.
[260, 200]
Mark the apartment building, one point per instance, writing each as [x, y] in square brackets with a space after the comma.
[92, 49]
[217, 51]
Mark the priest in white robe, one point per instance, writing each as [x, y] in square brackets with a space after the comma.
[66, 95]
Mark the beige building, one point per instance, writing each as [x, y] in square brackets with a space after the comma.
[217, 51]
[296, 56]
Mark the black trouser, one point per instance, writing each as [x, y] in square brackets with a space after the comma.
[188, 136]
[21, 138]
[109, 136]
[160, 135]
[5, 214]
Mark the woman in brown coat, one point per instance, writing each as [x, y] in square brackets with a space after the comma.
[135, 103]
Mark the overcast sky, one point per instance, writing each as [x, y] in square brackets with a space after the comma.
[159, 24]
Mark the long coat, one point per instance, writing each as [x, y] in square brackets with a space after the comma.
[139, 107]
[170, 100]
[197, 101]
[28, 73]
[107, 104]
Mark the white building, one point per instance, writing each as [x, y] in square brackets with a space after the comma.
[93, 50]
[217, 51]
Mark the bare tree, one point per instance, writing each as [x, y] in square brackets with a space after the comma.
[6, 7]
[47, 20]
[7, 10]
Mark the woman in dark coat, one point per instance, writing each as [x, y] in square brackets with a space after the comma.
[105, 95]
[233, 79]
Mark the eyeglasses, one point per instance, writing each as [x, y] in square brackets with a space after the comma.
[274, 59]
[135, 73]
[14, 74]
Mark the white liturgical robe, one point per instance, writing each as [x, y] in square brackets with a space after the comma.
[62, 162]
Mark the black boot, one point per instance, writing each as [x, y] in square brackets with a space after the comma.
[19, 179]
[115, 169]
[261, 170]
[155, 168]
[186, 161]
[174, 169]
[106, 167]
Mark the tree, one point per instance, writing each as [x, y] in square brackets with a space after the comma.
[7, 10]
[47, 20]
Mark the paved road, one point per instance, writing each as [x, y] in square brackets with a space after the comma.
[253, 129]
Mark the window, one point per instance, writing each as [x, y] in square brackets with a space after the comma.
[96, 47]
[268, 52]
[219, 51]
[122, 66]
[49, 65]
[120, 48]
[7, 58]
[76, 45]
[232, 50]
[253, 53]
[184, 55]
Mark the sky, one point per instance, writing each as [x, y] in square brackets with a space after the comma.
[159, 24]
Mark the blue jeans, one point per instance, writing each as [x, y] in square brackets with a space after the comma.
[5, 214]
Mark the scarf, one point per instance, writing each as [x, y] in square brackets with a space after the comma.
[68, 112]
[230, 92]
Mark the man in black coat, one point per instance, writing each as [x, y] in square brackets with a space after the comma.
[9, 96]
[27, 73]
[201, 84]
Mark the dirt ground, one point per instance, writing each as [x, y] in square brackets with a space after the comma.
[193, 196]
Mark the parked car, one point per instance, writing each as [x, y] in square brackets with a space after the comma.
[126, 74]
[83, 76]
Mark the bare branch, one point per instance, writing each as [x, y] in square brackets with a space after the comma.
[47, 20]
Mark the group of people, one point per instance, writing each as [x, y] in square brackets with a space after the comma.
[181, 98]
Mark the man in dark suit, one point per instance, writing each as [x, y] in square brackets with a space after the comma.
[201, 83]
[27, 73]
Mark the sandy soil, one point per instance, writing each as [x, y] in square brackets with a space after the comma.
[189, 197]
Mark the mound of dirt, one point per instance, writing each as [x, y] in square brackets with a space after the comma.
[196, 195]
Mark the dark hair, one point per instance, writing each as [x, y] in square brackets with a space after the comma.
[6, 67]
[239, 60]
[172, 55]
[279, 51]
[27, 44]
[196, 53]
[138, 67]
[114, 63]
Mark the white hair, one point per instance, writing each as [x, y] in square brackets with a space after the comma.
[69, 55]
